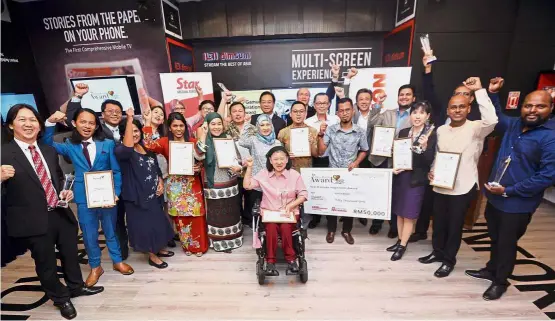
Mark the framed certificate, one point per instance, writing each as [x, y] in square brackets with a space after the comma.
[278, 217]
[99, 189]
[402, 153]
[300, 145]
[226, 154]
[446, 167]
[181, 159]
[382, 141]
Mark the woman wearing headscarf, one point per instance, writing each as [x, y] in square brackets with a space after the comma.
[258, 145]
[184, 193]
[221, 191]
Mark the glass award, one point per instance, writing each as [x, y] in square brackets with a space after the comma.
[425, 41]
[427, 132]
[68, 184]
[224, 89]
[501, 169]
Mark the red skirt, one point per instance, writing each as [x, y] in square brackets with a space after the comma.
[192, 233]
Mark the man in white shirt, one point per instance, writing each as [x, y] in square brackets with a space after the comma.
[322, 106]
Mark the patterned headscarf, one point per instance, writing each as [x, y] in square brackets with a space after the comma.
[269, 139]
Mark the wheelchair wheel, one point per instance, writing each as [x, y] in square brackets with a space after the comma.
[303, 271]
[261, 275]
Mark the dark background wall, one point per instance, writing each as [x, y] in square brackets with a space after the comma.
[514, 39]
[221, 18]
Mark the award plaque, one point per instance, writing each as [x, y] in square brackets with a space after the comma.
[425, 41]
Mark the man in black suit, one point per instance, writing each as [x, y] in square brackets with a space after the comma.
[267, 104]
[112, 114]
[31, 181]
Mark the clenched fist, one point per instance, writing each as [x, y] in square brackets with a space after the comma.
[335, 70]
[495, 84]
[81, 89]
[473, 83]
[7, 172]
[57, 117]
[323, 128]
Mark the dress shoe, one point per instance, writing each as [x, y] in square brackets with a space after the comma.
[84, 291]
[494, 292]
[330, 237]
[93, 277]
[392, 233]
[67, 310]
[363, 221]
[398, 253]
[348, 238]
[162, 265]
[481, 274]
[374, 229]
[431, 258]
[415, 237]
[271, 270]
[123, 268]
[394, 247]
[171, 243]
[444, 270]
[167, 254]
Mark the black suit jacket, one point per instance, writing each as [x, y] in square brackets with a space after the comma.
[23, 197]
[421, 163]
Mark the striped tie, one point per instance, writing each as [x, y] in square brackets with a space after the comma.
[46, 183]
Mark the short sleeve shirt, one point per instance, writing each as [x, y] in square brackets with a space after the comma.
[344, 145]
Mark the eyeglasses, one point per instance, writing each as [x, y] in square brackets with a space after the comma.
[113, 112]
[208, 108]
[321, 104]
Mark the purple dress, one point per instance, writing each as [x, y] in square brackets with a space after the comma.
[407, 200]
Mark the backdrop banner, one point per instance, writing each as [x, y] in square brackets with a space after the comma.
[179, 87]
[285, 63]
[381, 80]
[80, 39]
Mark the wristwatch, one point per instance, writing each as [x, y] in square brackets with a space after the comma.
[504, 195]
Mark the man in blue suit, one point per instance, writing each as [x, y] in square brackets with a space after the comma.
[89, 151]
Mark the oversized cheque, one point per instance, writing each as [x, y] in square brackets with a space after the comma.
[363, 192]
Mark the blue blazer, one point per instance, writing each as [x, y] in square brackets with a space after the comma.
[104, 160]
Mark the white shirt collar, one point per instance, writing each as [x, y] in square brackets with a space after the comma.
[112, 128]
[90, 140]
[24, 145]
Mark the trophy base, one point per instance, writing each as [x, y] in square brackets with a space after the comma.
[431, 59]
[494, 184]
[62, 204]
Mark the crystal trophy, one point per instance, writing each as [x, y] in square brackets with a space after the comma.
[427, 132]
[68, 184]
[425, 41]
[501, 169]
[224, 89]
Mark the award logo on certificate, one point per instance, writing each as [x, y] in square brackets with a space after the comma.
[99, 189]
[382, 141]
[181, 158]
[226, 154]
[501, 169]
[278, 217]
[300, 145]
[402, 153]
[445, 169]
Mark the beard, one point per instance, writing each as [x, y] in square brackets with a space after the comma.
[533, 124]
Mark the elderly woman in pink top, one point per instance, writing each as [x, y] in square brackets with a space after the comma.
[282, 188]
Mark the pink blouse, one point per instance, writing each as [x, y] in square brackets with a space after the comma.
[279, 190]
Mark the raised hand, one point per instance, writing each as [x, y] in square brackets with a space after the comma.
[473, 83]
[147, 116]
[323, 128]
[7, 172]
[335, 70]
[57, 117]
[381, 98]
[130, 112]
[351, 73]
[495, 84]
[339, 91]
[226, 96]
[81, 89]
[199, 91]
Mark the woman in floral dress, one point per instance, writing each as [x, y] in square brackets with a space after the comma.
[184, 193]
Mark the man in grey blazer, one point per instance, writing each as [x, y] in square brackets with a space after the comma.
[400, 119]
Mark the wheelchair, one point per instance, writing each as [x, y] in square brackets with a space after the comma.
[298, 246]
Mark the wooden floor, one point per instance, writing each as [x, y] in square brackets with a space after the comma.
[346, 282]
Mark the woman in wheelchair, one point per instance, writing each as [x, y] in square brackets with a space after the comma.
[282, 189]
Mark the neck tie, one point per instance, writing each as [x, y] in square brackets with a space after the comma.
[46, 183]
[86, 152]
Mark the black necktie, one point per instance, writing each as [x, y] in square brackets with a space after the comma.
[86, 152]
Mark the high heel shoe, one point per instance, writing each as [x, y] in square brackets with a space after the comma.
[163, 265]
[398, 253]
[394, 247]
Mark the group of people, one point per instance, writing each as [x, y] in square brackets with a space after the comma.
[210, 208]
